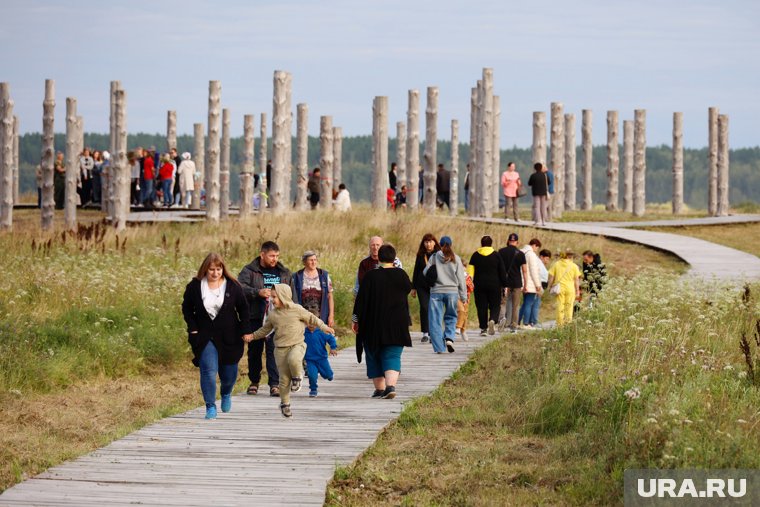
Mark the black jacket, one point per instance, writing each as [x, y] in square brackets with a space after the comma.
[251, 279]
[489, 271]
[418, 279]
[227, 329]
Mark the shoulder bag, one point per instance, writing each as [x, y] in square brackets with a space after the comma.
[431, 275]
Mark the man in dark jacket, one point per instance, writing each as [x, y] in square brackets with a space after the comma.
[313, 187]
[442, 185]
[517, 271]
[257, 280]
[489, 278]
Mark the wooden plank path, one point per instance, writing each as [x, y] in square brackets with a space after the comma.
[251, 455]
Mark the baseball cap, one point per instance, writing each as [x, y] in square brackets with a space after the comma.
[512, 237]
[445, 240]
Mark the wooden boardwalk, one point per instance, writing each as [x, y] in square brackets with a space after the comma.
[251, 455]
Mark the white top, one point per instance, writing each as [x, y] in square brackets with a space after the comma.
[213, 298]
[343, 201]
[543, 273]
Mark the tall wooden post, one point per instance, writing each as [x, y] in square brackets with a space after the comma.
[224, 170]
[287, 174]
[558, 159]
[495, 180]
[401, 156]
[246, 175]
[413, 150]
[212, 152]
[326, 161]
[472, 178]
[639, 162]
[121, 171]
[72, 165]
[712, 161]
[613, 161]
[171, 130]
[539, 137]
[337, 157]
[570, 176]
[264, 182]
[281, 134]
[6, 158]
[15, 159]
[379, 152]
[677, 163]
[588, 150]
[108, 180]
[485, 144]
[628, 166]
[723, 202]
[302, 156]
[199, 154]
[454, 193]
[48, 156]
[431, 148]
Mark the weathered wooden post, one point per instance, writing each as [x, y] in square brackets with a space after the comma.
[379, 152]
[454, 192]
[48, 156]
[224, 171]
[6, 158]
[287, 174]
[485, 143]
[613, 161]
[281, 133]
[588, 150]
[246, 175]
[264, 182]
[557, 160]
[628, 166]
[712, 161]
[723, 203]
[199, 154]
[401, 156]
[171, 130]
[413, 150]
[337, 158]
[72, 166]
[108, 178]
[570, 176]
[472, 178]
[677, 163]
[431, 148]
[325, 161]
[639, 162]
[121, 170]
[539, 153]
[495, 180]
[212, 152]
[15, 159]
[302, 156]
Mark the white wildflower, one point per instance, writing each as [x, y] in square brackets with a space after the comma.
[633, 393]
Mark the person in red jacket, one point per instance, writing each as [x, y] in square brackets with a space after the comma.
[165, 174]
[149, 176]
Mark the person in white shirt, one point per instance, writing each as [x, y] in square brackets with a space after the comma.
[343, 199]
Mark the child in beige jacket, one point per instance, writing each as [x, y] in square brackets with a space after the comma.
[288, 320]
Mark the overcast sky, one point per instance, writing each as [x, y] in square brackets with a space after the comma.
[662, 56]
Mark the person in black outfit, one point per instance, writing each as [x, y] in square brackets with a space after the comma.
[442, 186]
[392, 177]
[489, 278]
[216, 313]
[539, 188]
[428, 246]
[313, 187]
[517, 271]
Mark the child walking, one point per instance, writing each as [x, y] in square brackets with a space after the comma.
[316, 357]
[464, 307]
[287, 320]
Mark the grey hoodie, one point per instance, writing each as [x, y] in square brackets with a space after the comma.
[451, 277]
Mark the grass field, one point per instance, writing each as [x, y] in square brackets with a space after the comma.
[92, 342]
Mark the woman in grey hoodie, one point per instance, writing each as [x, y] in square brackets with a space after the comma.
[450, 285]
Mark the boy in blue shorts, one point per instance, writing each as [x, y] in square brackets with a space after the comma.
[316, 356]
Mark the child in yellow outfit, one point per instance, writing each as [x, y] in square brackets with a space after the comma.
[567, 274]
[463, 308]
[288, 320]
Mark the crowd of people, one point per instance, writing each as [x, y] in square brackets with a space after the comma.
[289, 317]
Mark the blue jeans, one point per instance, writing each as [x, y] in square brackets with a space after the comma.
[526, 309]
[148, 195]
[466, 200]
[210, 367]
[442, 309]
[166, 187]
[321, 367]
[536, 308]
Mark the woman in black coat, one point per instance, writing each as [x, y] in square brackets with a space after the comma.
[428, 247]
[381, 322]
[216, 313]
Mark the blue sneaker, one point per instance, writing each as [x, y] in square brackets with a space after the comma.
[211, 412]
[226, 402]
[313, 393]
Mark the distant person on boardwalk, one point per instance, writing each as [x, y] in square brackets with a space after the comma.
[287, 319]
[567, 274]
[550, 192]
[517, 271]
[216, 313]
[381, 322]
[176, 189]
[313, 187]
[510, 182]
[428, 247]
[371, 262]
[257, 279]
[539, 188]
[393, 176]
[186, 177]
[317, 362]
[59, 180]
[532, 289]
[312, 288]
[400, 199]
[489, 277]
[467, 189]
[450, 286]
[165, 174]
[97, 171]
[443, 186]
[594, 274]
[343, 199]
[463, 307]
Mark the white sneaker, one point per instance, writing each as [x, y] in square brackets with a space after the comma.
[503, 324]
[463, 335]
[491, 328]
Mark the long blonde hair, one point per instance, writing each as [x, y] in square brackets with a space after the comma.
[216, 260]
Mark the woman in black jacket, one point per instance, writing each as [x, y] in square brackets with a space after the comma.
[216, 313]
[428, 247]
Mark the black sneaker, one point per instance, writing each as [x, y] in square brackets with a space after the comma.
[450, 345]
[389, 393]
[378, 393]
[425, 338]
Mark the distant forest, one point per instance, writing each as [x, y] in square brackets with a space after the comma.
[357, 162]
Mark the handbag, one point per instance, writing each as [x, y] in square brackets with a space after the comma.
[555, 289]
[521, 192]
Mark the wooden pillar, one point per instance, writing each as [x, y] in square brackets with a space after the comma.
[72, 165]
[212, 152]
[557, 160]
[472, 178]
[431, 148]
[6, 158]
[108, 177]
[287, 173]
[302, 156]
[337, 157]
[246, 175]
[281, 158]
[224, 168]
[628, 166]
[15, 159]
[495, 180]
[325, 161]
[171, 130]
[121, 171]
[48, 156]
[677, 163]
[454, 182]
[613, 161]
[712, 161]
[485, 143]
[588, 150]
[413, 150]
[723, 163]
[401, 156]
[570, 176]
[379, 152]
[639, 162]
[199, 154]
[264, 182]
[539, 137]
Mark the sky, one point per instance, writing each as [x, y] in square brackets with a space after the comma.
[662, 56]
